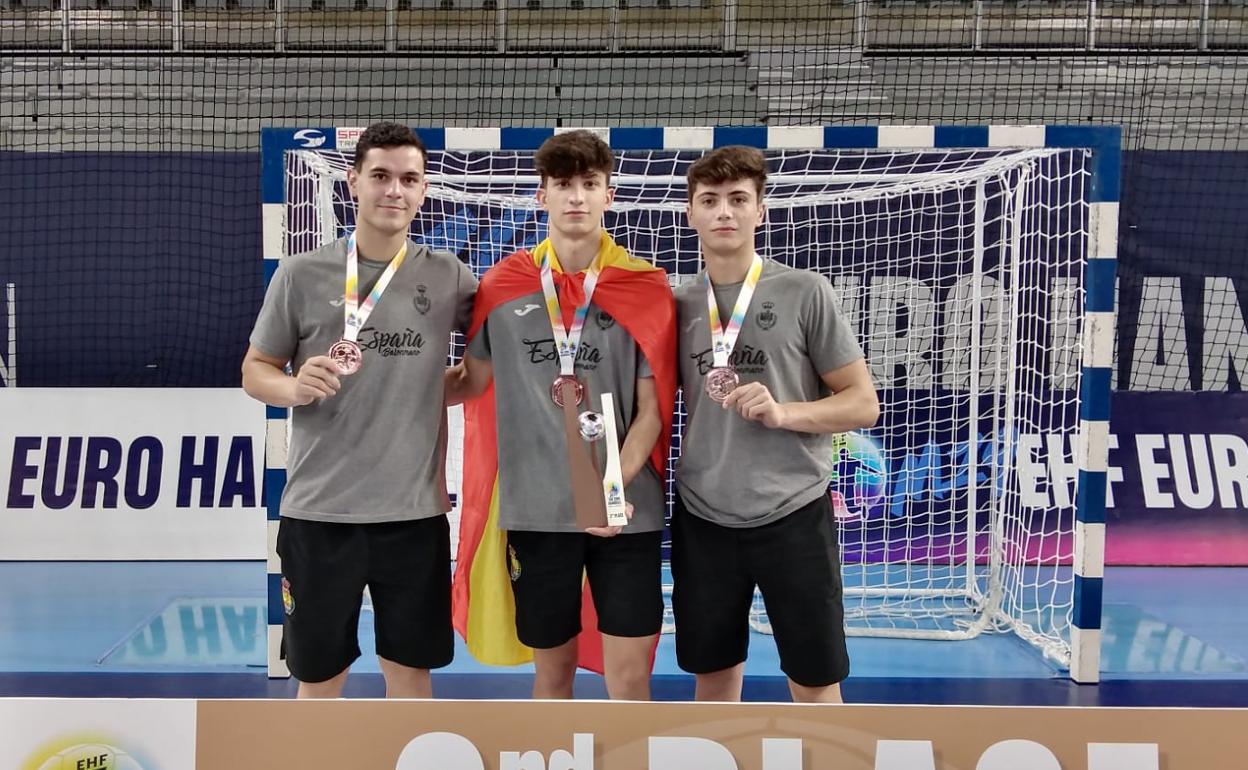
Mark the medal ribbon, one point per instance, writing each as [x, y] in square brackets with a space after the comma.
[567, 342]
[355, 314]
[724, 340]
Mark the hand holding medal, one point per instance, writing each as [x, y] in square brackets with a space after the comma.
[754, 402]
[316, 380]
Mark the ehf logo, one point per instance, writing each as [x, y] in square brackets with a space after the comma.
[310, 137]
[86, 756]
[858, 485]
[615, 495]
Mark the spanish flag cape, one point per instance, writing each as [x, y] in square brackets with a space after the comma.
[638, 296]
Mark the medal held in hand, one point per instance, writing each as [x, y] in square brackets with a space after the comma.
[720, 382]
[346, 352]
[347, 356]
[722, 379]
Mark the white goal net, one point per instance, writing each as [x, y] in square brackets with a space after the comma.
[962, 271]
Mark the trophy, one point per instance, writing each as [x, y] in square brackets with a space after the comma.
[597, 493]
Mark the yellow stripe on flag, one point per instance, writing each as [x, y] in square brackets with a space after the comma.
[491, 636]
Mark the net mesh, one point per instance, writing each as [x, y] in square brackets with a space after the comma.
[961, 272]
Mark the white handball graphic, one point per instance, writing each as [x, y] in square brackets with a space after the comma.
[439, 751]
[91, 756]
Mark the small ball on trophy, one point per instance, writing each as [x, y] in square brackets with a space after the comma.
[593, 427]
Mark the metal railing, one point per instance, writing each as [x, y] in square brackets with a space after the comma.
[862, 25]
[78, 16]
[1152, 27]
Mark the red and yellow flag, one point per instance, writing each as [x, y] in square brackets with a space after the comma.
[638, 296]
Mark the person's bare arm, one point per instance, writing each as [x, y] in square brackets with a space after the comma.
[643, 432]
[468, 379]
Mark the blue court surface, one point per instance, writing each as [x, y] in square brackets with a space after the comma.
[1173, 637]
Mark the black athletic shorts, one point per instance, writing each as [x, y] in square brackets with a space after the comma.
[547, 570]
[795, 562]
[406, 566]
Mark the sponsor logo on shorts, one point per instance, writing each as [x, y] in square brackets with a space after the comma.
[288, 599]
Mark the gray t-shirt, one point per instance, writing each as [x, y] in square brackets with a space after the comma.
[375, 451]
[733, 471]
[535, 493]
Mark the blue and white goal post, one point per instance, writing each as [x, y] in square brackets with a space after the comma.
[976, 264]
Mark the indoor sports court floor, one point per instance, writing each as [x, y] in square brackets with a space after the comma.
[1173, 636]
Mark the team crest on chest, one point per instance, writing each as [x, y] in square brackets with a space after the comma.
[604, 319]
[767, 318]
[421, 301]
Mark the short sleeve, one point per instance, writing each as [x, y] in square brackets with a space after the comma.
[466, 293]
[643, 364]
[276, 332]
[479, 346]
[830, 341]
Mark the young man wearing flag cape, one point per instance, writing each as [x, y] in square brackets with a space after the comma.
[612, 316]
[765, 391]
